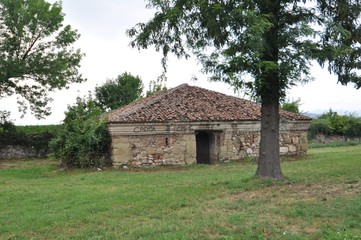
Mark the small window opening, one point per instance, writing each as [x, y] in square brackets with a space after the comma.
[166, 142]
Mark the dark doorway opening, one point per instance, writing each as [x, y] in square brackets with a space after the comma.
[203, 140]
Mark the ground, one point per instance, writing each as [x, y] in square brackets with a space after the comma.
[321, 199]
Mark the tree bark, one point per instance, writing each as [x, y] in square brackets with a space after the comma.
[269, 165]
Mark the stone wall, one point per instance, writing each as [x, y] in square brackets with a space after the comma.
[239, 144]
[173, 144]
[322, 138]
[20, 152]
[153, 150]
[293, 143]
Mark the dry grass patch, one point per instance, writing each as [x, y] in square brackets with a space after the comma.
[8, 164]
[289, 210]
[290, 193]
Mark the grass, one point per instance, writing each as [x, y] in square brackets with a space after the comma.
[320, 200]
[335, 144]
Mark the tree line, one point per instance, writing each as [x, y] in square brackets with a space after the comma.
[331, 123]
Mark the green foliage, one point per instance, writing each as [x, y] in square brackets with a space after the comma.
[319, 126]
[36, 53]
[38, 129]
[330, 123]
[354, 127]
[292, 106]
[5, 123]
[338, 124]
[37, 137]
[119, 92]
[274, 42]
[83, 141]
[157, 85]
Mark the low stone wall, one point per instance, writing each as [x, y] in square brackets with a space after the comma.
[321, 138]
[21, 152]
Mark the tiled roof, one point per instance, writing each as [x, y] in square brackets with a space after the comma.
[187, 104]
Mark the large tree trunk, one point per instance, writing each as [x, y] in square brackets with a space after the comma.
[269, 158]
[268, 83]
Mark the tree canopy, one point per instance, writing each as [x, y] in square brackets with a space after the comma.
[36, 53]
[119, 92]
[264, 46]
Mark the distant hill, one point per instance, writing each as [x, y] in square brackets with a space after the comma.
[318, 113]
[312, 115]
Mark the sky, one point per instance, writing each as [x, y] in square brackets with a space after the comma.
[102, 26]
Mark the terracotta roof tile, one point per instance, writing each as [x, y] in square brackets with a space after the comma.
[188, 103]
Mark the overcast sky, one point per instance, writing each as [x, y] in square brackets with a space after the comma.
[103, 25]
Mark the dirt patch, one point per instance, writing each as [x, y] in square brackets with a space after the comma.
[304, 192]
[287, 194]
[280, 206]
[8, 164]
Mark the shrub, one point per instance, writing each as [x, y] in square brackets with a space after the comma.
[319, 126]
[354, 129]
[37, 137]
[330, 123]
[83, 140]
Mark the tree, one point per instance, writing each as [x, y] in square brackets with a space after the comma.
[83, 140]
[338, 124]
[6, 125]
[157, 85]
[36, 56]
[354, 129]
[119, 92]
[273, 41]
[292, 106]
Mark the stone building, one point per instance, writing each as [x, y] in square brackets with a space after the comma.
[188, 124]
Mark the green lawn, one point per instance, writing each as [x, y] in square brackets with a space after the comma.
[320, 200]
